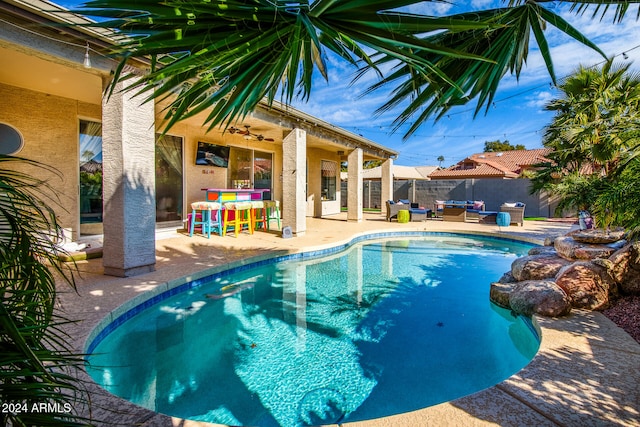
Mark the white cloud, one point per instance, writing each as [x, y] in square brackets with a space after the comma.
[539, 99]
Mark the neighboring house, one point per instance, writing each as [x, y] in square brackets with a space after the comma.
[118, 177]
[504, 164]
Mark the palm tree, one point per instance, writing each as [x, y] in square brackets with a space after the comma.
[618, 202]
[224, 57]
[596, 125]
[37, 365]
[440, 160]
[595, 137]
[596, 118]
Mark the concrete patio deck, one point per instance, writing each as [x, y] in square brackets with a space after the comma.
[587, 372]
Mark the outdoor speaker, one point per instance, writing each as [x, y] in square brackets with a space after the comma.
[286, 232]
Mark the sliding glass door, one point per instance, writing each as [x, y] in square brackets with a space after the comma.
[90, 146]
[169, 179]
[263, 172]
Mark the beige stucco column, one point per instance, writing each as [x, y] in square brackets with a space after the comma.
[387, 184]
[294, 177]
[128, 150]
[354, 185]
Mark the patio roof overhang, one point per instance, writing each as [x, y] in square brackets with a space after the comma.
[63, 45]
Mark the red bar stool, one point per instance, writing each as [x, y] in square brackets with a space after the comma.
[242, 216]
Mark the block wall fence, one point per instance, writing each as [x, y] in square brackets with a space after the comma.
[494, 192]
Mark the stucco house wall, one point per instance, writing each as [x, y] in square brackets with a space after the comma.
[49, 126]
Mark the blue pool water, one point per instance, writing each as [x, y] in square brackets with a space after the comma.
[382, 328]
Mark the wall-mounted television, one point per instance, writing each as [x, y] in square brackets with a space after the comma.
[212, 155]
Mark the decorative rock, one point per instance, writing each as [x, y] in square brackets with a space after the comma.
[599, 235]
[569, 248]
[507, 278]
[586, 283]
[541, 297]
[548, 241]
[542, 250]
[565, 247]
[537, 267]
[499, 293]
[589, 252]
[625, 268]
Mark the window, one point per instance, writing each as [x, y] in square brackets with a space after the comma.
[329, 179]
[90, 172]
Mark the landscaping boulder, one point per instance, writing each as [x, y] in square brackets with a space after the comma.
[569, 248]
[598, 235]
[542, 250]
[537, 267]
[541, 297]
[507, 278]
[586, 283]
[500, 291]
[625, 268]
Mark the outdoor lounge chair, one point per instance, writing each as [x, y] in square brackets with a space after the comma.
[515, 211]
[393, 208]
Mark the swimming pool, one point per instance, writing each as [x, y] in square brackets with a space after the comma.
[381, 328]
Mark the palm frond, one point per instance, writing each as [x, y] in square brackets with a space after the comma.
[37, 365]
[505, 46]
[240, 52]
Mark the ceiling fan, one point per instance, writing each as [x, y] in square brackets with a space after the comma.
[248, 134]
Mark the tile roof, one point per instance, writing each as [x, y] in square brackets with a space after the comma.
[504, 164]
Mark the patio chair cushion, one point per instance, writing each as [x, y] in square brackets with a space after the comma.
[419, 210]
[205, 206]
[404, 201]
[237, 206]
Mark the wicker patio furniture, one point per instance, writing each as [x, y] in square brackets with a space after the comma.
[516, 211]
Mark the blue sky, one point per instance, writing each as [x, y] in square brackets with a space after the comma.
[517, 114]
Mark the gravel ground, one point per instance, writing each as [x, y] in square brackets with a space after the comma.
[625, 312]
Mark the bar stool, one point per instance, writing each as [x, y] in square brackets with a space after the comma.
[258, 214]
[203, 211]
[272, 207]
[242, 216]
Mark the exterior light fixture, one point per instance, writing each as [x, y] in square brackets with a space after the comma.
[87, 60]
